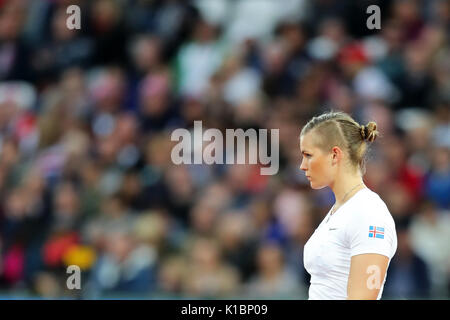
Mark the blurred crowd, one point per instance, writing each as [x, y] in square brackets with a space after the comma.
[86, 176]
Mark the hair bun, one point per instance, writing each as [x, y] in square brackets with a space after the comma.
[369, 131]
[363, 132]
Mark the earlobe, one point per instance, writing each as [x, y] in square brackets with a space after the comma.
[334, 156]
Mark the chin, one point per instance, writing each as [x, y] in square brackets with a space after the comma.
[317, 186]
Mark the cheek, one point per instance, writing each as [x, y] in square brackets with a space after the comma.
[320, 169]
[317, 165]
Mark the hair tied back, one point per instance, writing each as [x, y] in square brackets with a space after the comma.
[369, 131]
[363, 132]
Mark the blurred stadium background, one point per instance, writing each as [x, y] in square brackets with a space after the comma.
[86, 116]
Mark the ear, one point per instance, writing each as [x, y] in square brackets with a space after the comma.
[336, 155]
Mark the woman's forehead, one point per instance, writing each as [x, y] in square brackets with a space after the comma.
[307, 141]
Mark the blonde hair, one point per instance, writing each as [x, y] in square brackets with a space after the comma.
[339, 129]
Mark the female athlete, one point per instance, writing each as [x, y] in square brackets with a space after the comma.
[349, 253]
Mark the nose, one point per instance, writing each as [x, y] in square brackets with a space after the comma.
[303, 165]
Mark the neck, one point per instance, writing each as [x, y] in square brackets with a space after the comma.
[342, 185]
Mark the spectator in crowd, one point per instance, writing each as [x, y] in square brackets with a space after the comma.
[429, 238]
[409, 274]
[206, 274]
[273, 279]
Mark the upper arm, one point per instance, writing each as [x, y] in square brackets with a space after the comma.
[367, 273]
[372, 241]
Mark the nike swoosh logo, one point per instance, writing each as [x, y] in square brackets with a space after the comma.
[331, 229]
